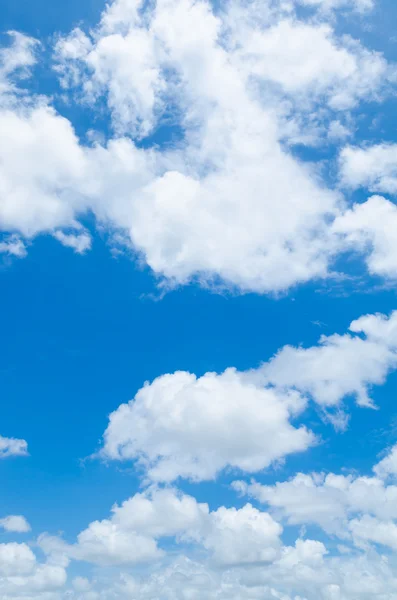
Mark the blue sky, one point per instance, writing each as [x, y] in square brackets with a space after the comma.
[197, 266]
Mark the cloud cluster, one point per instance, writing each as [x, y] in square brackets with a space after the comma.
[15, 523]
[357, 509]
[136, 528]
[234, 91]
[12, 447]
[340, 365]
[184, 426]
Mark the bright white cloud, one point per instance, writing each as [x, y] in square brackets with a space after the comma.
[371, 227]
[348, 506]
[340, 365]
[373, 167]
[243, 536]
[16, 523]
[133, 533]
[233, 88]
[80, 242]
[339, 73]
[184, 426]
[40, 160]
[12, 447]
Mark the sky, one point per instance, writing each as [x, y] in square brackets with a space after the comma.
[198, 310]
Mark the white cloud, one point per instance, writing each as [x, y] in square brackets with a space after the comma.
[181, 206]
[369, 529]
[362, 6]
[243, 536]
[12, 447]
[132, 534]
[80, 242]
[304, 571]
[184, 426]
[16, 559]
[125, 68]
[352, 507]
[22, 577]
[14, 246]
[370, 227]
[340, 365]
[373, 167]
[15, 62]
[16, 523]
[39, 162]
[104, 543]
[339, 73]
[388, 465]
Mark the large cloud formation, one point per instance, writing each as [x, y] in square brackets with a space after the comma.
[226, 201]
[184, 426]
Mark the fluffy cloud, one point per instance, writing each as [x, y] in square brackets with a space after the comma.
[133, 533]
[340, 365]
[233, 88]
[40, 161]
[184, 426]
[16, 559]
[243, 536]
[80, 242]
[370, 227]
[373, 167]
[12, 447]
[339, 73]
[16, 523]
[362, 509]
[23, 577]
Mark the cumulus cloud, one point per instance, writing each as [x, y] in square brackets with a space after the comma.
[243, 536]
[373, 167]
[23, 577]
[184, 426]
[12, 447]
[370, 227]
[15, 523]
[233, 89]
[133, 533]
[355, 508]
[339, 73]
[16, 559]
[340, 365]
